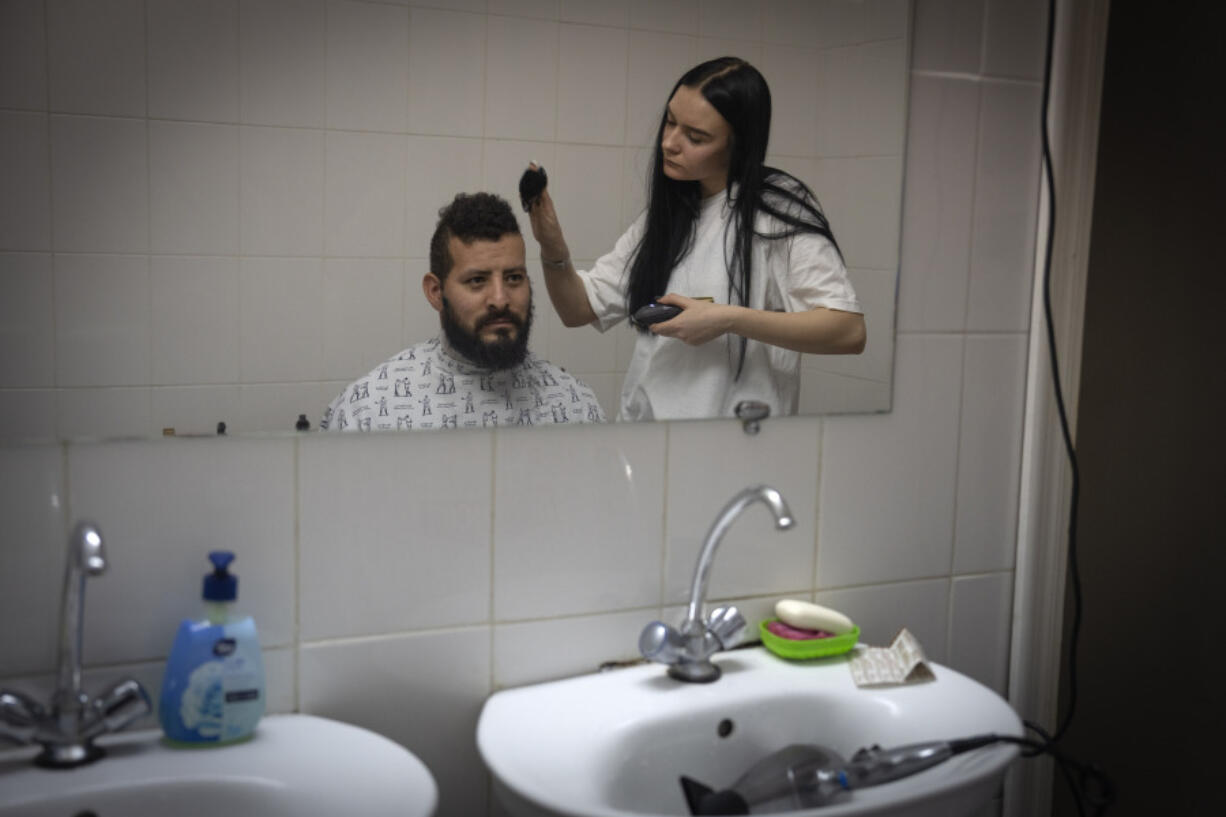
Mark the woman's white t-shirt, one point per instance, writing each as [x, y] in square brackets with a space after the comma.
[668, 379]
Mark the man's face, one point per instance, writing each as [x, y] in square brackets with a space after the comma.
[485, 303]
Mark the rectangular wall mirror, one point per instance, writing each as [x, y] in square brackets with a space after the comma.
[221, 212]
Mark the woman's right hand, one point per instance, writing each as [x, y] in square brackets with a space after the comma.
[546, 229]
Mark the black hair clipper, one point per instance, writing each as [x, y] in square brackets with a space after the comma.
[531, 185]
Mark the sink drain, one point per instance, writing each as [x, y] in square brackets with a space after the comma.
[725, 728]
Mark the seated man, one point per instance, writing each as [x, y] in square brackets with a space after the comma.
[479, 372]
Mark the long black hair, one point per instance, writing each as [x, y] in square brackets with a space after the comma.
[741, 96]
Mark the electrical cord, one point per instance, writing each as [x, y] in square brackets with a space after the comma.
[1087, 782]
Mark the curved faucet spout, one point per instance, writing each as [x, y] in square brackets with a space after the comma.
[86, 557]
[754, 493]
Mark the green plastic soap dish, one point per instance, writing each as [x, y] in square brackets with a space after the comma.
[808, 648]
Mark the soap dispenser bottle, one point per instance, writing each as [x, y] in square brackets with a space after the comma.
[213, 688]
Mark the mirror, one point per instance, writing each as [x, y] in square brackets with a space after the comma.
[221, 212]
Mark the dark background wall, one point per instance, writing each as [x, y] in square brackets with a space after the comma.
[1151, 419]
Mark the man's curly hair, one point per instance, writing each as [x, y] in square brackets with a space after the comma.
[469, 217]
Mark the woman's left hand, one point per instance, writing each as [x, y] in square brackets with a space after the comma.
[698, 323]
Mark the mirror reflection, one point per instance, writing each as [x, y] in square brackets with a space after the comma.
[237, 236]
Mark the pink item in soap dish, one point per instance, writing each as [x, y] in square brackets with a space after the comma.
[795, 633]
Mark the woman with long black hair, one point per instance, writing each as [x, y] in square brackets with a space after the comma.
[742, 249]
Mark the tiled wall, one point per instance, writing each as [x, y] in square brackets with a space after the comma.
[221, 211]
[398, 580]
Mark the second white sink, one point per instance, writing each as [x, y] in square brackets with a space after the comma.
[614, 744]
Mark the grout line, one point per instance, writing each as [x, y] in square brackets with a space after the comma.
[296, 642]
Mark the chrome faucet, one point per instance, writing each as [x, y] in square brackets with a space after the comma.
[687, 651]
[68, 728]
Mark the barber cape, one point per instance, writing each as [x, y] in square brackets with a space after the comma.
[430, 385]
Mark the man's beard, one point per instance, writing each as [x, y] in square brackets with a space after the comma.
[503, 352]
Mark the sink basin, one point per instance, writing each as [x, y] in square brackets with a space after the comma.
[614, 744]
[294, 765]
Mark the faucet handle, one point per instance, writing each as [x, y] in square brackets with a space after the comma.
[726, 624]
[661, 643]
[19, 716]
[117, 707]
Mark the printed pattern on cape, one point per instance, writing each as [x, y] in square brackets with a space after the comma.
[430, 386]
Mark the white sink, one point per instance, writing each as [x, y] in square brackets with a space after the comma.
[296, 765]
[614, 744]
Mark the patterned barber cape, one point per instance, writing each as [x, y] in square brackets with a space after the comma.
[431, 386]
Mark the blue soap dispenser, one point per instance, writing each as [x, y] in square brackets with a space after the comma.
[213, 689]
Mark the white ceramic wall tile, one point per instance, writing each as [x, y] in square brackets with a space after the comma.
[863, 200]
[193, 188]
[791, 22]
[864, 100]
[23, 55]
[365, 198]
[193, 60]
[282, 191]
[656, 61]
[825, 393]
[850, 22]
[363, 300]
[708, 464]
[446, 73]
[534, 651]
[421, 321]
[32, 505]
[709, 48]
[278, 683]
[580, 530]
[541, 9]
[368, 66]
[792, 74]
[102, 320]
[948, 36]
[195, 319]
[1014, 36]
[938, 193]
[989, 452]
[103, 413]
[194, 409]
[438, 168]
[881, 610]
[503, 162]
[282, 52]
[592, 84]
[679, 16]
[27, 320]
[576, 349]
[178, 500]
[28, 414]
[99, 184]
[384, 548]
[1006, 208]
[730, 19]
[887, 481]
[281, 319]
[875, 289]
[521, 79]
[25, 198]
[979, 629]
[276, 406]
[422, 691]
[96, 55]
[635, 162]
[596, 12]
[585, 187]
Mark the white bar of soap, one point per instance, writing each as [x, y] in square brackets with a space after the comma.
[809, 616]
